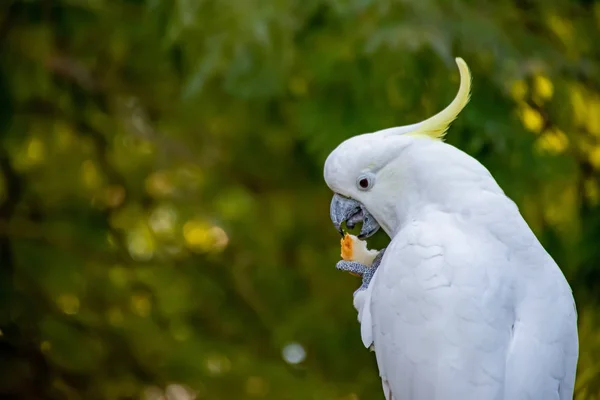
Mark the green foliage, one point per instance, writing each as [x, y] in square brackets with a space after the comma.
[163, 217]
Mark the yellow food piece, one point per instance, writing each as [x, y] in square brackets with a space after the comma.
[354, 249]
[347, 246]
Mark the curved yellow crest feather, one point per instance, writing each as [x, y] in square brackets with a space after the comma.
[437, 126]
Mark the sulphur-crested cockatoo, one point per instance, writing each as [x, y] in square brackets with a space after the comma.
[464, 303]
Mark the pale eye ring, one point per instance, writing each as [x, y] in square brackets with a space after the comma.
[365, 181]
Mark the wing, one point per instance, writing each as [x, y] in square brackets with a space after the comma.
[447, 317]
[542, 358]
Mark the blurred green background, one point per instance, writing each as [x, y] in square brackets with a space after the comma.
[164, 223]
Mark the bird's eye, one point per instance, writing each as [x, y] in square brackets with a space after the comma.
[365, 181]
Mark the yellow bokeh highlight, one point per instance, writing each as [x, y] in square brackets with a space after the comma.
[36, 151]
[162, 220]
[203, 237]
[562, 27]
[113, 196]
[561, 207]
[220, 238]
[196, 234]
[586, 108]
[518, 90]
[140, 305]
[592, 191]
[543, 87]
[594, 157]
[45, 346]
[141, 243]
[90, 175]
[578, 104]
[532, 120]
[217, 364]
[68, 304]
[31, 154]
[593, 115]
[552, 141]
[159, 184]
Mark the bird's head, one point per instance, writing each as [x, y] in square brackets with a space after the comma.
[375, 173]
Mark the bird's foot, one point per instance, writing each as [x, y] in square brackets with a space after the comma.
[361, 270]
[353, 267]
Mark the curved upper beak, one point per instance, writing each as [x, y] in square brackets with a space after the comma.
[348, 210]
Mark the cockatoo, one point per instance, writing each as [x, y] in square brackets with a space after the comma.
[464, 303]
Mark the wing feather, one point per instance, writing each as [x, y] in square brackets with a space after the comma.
[451, 316]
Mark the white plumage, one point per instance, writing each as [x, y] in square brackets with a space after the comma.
[466, 303]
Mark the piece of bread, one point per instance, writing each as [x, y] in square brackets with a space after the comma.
[354, 249]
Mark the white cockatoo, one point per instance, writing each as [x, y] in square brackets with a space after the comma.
[464, 303]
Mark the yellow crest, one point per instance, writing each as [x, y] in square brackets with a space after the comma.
[437, 126]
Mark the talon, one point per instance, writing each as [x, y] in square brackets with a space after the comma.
[352, 267]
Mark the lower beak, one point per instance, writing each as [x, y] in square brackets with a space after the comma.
[343, 209]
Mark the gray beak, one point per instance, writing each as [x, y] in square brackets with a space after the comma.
[352, 212]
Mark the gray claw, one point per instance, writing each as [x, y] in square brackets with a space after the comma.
[362, 270]
[352, 267]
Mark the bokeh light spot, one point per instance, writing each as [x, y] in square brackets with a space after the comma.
[162, 220]
[68, 304]
[90, 175]
[218, 364]
[202, 237]
[552, 142]
[532, 120]
[140, 304]
[294, 353]
[176, 391]
[153, 393]
[159, 184]
[140, 244]
[45, 346]
[518, 90]
[594, 156]
[36, 151]
[114, 196]
[543, 87]
[220, 238]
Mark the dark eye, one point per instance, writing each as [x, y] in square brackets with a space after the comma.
[365, 181]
